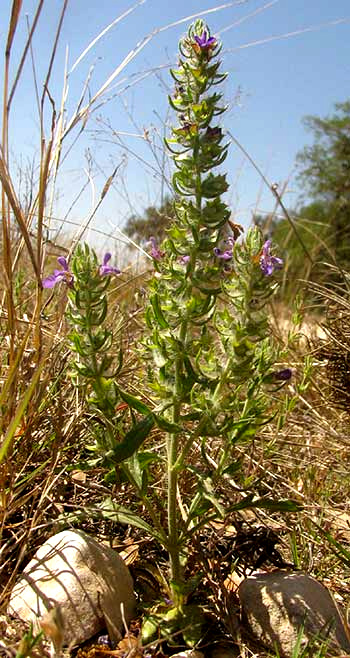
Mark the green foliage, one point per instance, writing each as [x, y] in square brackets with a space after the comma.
[312, 225]
[93, 368]
[325, 175]
[211, 359]
[154, 222]
[28, 642]
[322, 222]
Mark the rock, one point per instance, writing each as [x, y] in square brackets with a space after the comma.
[225, 650]
[276, 605]
[188, 653]
[74, 582]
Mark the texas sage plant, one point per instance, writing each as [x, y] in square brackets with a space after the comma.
[212, 366]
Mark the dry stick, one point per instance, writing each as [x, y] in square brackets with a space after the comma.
[83, 112]
[273, 189]
[161, 166]
[45, 161]
[6, 227]
[286, 35]
[31, 206]
[56, 133]
[52, 58]
[271, 215]
[53, 123]
[10, 195]
[128, 150]
[83, 228]
[28, 46]
[36, 88]
[25, 52]
[247, 16]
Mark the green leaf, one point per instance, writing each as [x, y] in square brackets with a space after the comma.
[287, 505]
[114, 512]
[265, 503]
[233, 467]
[134, 402]
[193, 624]
[158, 312]
[162, 621]
[342, 553]
[166, 425]
[209, 494]
[133, 439]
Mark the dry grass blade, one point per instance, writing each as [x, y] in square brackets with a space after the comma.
[10, 194]
[83, 113]
[7, 260]
[10, 434]
[247, 16]
[11, 375]
[16, 10]
[102, 34]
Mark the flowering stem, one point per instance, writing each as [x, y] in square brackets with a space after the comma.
[172, 454]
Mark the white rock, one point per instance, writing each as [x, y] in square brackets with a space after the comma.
[277, 604]
[82, 579]
[188, 653]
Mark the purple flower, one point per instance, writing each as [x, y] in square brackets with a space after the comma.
[59, 275]
[283, 375]
[106, 270]
[184, 259]
[213, 133]
[156, 253]
[204, 42]
[269, 263]
[227, 253]
[224, 255]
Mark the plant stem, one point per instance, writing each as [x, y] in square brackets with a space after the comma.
[172, 453]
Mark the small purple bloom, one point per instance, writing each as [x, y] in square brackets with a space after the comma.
[227, 253]
[59, 275]
[156, 253]
[204, 42]
[269, 263]
[283, 375]
[213, 133]
[185, 259]
[106, 270]
[224, 255]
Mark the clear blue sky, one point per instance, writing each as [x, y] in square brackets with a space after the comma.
[274, 80]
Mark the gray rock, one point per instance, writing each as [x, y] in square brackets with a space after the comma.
[276, 605]
[189, 653]
[76, 587]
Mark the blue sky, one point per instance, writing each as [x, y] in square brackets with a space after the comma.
[274, 80]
